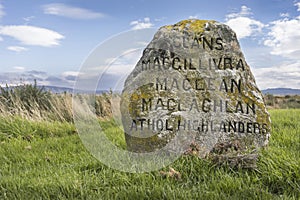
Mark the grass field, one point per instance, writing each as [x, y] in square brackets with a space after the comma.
[46, 160]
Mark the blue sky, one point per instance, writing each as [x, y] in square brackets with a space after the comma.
[49, 40]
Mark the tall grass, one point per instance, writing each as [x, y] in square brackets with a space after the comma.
[32, 102]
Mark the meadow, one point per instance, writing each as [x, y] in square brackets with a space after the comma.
[42, 157]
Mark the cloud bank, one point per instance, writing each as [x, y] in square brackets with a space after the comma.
[141, 24]
[72, 12]
[32, 35]
[20, 76]
[284, 37]
[243, 24]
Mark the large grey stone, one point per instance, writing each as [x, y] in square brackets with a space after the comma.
[193, 80]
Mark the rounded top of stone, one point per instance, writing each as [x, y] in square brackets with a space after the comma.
[193, 25]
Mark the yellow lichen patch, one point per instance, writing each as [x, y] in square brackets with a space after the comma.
[135, 100]
[193, 25]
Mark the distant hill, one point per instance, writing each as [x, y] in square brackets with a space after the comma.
[273, 91]
[59, 90]
[281, 91]
[55, 89]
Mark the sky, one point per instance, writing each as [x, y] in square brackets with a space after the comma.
[50, 41]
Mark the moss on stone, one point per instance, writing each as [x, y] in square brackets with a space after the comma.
[193, 25]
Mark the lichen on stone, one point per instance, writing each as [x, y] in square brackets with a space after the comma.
[193, 25]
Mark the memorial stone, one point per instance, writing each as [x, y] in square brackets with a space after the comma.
[193, 79]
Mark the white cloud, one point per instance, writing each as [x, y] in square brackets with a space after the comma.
[17, 48]
[284, 37]
[117, 69]
[19, 68]
[242, 24]
[28, 19]
[2, 13]
[64, 10]
[160, 19]
[70, 73]
[284, 14]
[143, 43]
[245, 11]
[298, 5]
[123, 64]
[286, 75]
[193, 17]
[70, 76]
[32, 35]
[141, 24]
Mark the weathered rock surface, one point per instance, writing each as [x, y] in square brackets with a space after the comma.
[193, 80]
